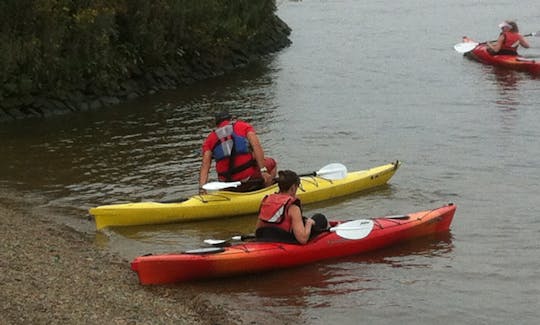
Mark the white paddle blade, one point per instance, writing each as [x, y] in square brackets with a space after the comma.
[214, 241]
[465, 47]
[216, 186]
[333, 171]
[356, 229]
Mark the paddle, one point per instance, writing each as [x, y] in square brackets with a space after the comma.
[356, 229]
[219, 242]
[216, 186]
[465, 47]
[333, 171]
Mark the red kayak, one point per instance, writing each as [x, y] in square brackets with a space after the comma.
[343, 239]
[480, 53]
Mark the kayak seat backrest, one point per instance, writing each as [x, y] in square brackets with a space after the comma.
[275, 234]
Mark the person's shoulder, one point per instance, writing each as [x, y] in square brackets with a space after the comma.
[212, 135]
[210, 139]
[295, 208]
[243, 125]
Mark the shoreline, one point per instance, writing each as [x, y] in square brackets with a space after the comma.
[190, 66]
[50, 273]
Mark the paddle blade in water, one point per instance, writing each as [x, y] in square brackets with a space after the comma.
[465, 47]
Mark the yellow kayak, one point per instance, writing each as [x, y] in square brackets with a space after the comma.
[224, 203]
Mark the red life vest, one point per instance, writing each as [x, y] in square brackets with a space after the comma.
[236, 150]
[231, 150]
[511, 42]
[274, 210]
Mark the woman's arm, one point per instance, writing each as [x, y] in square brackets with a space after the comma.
[523, 42]
[301, 231]
[496, 46]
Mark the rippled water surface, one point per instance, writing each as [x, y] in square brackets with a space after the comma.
[364, 83]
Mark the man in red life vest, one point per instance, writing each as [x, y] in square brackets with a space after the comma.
[280, 214]
[238, 154]
[508, 40]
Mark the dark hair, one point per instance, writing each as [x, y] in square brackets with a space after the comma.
[222, 116]
[515, 28]
[286, 179]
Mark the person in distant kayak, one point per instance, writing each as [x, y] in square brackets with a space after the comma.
[509, 40]
[239, 156]
[280, 214]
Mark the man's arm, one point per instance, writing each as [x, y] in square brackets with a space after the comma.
[205, 170]
[258, 152]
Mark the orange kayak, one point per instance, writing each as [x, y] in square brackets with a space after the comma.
[343, 239]
[515, 62]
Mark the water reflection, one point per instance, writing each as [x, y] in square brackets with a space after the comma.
[507, 82]
[216, 228]
[437, 245]
[143, 150]
[303, 294]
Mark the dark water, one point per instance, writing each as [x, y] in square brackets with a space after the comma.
[364, 83]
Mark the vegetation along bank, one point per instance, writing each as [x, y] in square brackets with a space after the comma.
[58, 56]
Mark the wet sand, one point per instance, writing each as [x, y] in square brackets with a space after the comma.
[51, 274]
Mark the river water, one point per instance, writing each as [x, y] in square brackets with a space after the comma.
[364, 83]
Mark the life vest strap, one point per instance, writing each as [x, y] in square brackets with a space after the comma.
[236, 169]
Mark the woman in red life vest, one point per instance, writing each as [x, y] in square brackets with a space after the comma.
[280, 214]
[508, 40]
[238, 154]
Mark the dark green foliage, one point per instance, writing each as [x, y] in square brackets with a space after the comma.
[55, 47]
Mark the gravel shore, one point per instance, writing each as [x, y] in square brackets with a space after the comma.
[51, 274]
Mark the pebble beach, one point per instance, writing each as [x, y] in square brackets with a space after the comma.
[52, 274]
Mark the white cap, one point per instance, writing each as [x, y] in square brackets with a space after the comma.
[505, 24]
